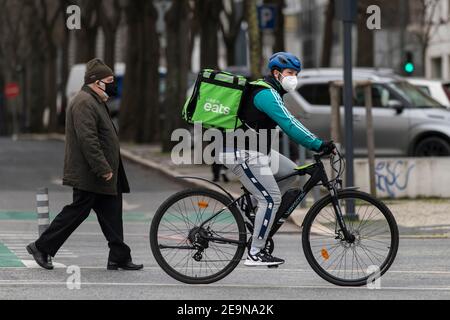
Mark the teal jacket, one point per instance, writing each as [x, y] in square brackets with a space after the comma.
[270, 102]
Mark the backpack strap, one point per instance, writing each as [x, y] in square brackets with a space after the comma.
[261, 83]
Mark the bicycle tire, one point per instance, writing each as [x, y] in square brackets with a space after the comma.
[240, 249]
[342, 195]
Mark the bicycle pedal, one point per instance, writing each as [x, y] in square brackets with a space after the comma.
[273, 267]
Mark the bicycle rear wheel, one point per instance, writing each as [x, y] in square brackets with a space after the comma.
[355, 263]
[192, 253]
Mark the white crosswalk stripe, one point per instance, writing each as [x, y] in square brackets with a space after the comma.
[17, 244]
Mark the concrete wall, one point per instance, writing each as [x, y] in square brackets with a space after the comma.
[406, 177]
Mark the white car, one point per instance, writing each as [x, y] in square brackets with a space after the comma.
[439, 90]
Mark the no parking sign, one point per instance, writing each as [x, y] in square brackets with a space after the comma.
[267, 16]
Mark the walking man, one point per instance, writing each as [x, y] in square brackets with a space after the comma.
[93, 167]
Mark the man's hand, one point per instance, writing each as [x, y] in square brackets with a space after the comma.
[108, 176]
[328, 148]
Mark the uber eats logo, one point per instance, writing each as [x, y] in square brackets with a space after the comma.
[213, 105]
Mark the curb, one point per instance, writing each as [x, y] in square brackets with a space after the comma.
[172, 174]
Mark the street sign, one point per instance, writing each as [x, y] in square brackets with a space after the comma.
[267, 16]
[12, 90]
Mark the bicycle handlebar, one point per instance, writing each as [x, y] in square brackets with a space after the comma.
[321, 155]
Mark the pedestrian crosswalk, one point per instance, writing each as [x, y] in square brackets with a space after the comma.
[17, 242]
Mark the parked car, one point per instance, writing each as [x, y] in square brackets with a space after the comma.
[437, 89]
[407, 122]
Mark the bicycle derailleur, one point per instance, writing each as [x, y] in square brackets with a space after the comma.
[197, 237]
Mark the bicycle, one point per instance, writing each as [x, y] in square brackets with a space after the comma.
[199, 236]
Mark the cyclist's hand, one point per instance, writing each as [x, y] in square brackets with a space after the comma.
[328, 148]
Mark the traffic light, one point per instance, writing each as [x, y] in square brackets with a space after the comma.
[408, 65]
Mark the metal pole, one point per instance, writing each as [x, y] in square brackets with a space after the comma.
[43, 211]
[348, 103]
[370, 138]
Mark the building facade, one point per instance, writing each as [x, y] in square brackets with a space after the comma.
[438, 51]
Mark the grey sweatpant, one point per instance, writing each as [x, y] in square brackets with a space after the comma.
[257, 173]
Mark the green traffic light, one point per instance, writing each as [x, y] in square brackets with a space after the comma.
[409, 67]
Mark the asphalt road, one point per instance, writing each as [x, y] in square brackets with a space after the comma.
[421, 270]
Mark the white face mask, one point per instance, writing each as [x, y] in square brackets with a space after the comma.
[289, 83]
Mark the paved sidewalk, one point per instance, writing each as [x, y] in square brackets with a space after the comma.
[424, 217]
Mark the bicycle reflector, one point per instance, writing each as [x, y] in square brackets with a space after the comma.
[203, 204]
[325, 254]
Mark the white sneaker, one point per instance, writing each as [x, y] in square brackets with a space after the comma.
[262, 258]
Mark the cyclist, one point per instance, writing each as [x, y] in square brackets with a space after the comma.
[265, 110]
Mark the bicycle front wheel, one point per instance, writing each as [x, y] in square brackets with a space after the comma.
[357, 262]
[190, 250]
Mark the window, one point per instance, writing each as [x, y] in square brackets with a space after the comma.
[380, 96]
[415, 96]
[436, 68]
[319, 95]
[425, 89]
[316, 94]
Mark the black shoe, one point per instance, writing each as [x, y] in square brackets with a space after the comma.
[262, 258]
[225, 178]
[125, 266]
[41, 258]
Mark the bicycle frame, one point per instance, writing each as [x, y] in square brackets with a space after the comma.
[318, 176]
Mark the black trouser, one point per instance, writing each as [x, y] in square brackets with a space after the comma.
[109, 215]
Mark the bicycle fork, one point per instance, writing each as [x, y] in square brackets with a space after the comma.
[339, 216]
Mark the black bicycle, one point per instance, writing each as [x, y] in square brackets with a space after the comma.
[349, 238]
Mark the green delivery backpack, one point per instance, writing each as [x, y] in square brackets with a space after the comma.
[216, 100]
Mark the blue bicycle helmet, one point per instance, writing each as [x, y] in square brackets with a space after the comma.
[284, 60]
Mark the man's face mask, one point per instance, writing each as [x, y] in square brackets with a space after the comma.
[110, 88]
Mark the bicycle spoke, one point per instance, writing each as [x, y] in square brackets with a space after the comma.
[347, 260]
[181, 228]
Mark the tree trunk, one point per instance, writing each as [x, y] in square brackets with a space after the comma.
[423, 71]
[139, 111]
[86, 40]
[51, 88]
[365, 47]
[231, 29]
[36, 70]
[64, 76]
[209, 15]
[255, 39]
[193, 29]
[131, 95]
[231, 52]
[178, 66]
[110, 47]
[109, 20]
[151, 122]
[3, 130]
[279, 44]
[327, 45]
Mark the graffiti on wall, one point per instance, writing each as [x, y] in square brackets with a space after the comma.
[392, 177]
